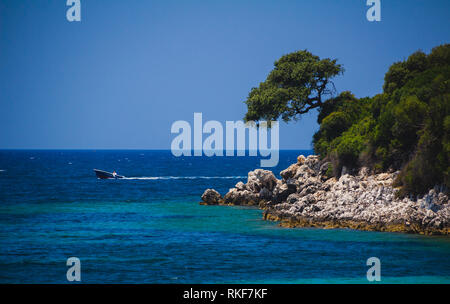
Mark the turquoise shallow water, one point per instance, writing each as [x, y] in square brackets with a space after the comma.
[151, 229]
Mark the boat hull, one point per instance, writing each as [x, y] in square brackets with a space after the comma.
[106, 175]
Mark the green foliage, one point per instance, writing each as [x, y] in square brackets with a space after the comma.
[406, 128]
[342, 102]
[408, 118]
[330, 171]
[431, 161]
[348, 147]
[334, 124]
[297, 84]
[395, 77]
[337, 115]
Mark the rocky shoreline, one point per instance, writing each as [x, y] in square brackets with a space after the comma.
[306, 197]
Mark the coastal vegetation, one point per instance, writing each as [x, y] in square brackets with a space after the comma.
[405, 128]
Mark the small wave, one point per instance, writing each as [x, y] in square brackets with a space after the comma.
[2, 170]
[182, 177]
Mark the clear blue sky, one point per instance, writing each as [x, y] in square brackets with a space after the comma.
[129, 69]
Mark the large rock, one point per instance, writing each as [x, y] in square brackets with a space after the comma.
[259, 188]
[282, 191]
[301, 159]
[289, 172]
[240, 186]
[211, 197]
[313, 162]
[241, 197]
[259, 179]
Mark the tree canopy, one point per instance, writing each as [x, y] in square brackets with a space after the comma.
[405, 128]
[297, 84]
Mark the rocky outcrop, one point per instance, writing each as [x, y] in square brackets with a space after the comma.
[305, 197]
[260, 185]
[211, 197]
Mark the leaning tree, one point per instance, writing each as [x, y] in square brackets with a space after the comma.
[298, 83]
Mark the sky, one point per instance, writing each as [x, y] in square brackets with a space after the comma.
[119, 78]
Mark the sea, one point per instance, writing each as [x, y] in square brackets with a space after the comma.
[150, 228]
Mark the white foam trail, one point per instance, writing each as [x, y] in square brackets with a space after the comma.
[182, 177]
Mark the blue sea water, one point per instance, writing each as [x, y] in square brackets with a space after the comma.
[149, 228]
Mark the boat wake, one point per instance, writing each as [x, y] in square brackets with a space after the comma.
[182, 177]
